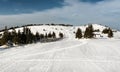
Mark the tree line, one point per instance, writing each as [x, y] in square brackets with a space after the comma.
[89, 32]
[24, 37]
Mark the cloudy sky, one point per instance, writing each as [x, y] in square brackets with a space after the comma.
[76, 12]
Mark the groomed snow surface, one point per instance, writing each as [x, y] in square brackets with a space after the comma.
[67, 55]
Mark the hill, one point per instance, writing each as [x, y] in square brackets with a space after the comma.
[67, 55]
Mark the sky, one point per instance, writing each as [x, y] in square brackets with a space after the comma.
[75, 12]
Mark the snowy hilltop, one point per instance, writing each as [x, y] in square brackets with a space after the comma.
[60, 48]
[33, 33]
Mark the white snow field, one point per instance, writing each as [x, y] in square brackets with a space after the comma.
[67, 55]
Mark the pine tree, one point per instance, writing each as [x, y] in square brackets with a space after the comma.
[26, 36]
[23, 38]
[50, 35]
[54, 35]
[89, 32]
[15, 39]
[37, 36]
[79, 33]
[46, 36]
[105, 31]
[61, 35]
[42, 36]
[86, 33]
[14, 36]
[19, 37]
[5, 37]
[29, 36]
[110, 33]
[10, 36]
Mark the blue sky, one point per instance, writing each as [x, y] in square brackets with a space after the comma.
[27, 6]
[9, 7]
[76, 12]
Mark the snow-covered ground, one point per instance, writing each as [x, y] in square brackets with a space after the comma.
[67, 55]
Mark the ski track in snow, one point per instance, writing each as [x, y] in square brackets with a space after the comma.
[54, 57]
[47, 64]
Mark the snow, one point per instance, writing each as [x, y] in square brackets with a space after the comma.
[98, 26]
[67, 55]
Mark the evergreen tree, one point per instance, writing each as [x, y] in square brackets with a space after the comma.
[24, 30]
[10, 36]
[23, 38]
[14, 36]
[105, 31]
[42, 36]
[50, 35]
[19, 37]
[54, 35]
[29, 36]
[86, 33]
[32, 38]
[89, 32]
[61, 35]
[37, 36]
[5, 37]
[79, 33]
[110, 33]
[46, 36]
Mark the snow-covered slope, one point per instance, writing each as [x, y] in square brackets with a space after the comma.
[67, 55]
[68, 31]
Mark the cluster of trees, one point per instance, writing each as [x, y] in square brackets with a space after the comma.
[52, 24]
[25, 37]
[89, 32]
[108, 31]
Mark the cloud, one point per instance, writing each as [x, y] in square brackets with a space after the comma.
[73, 12]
